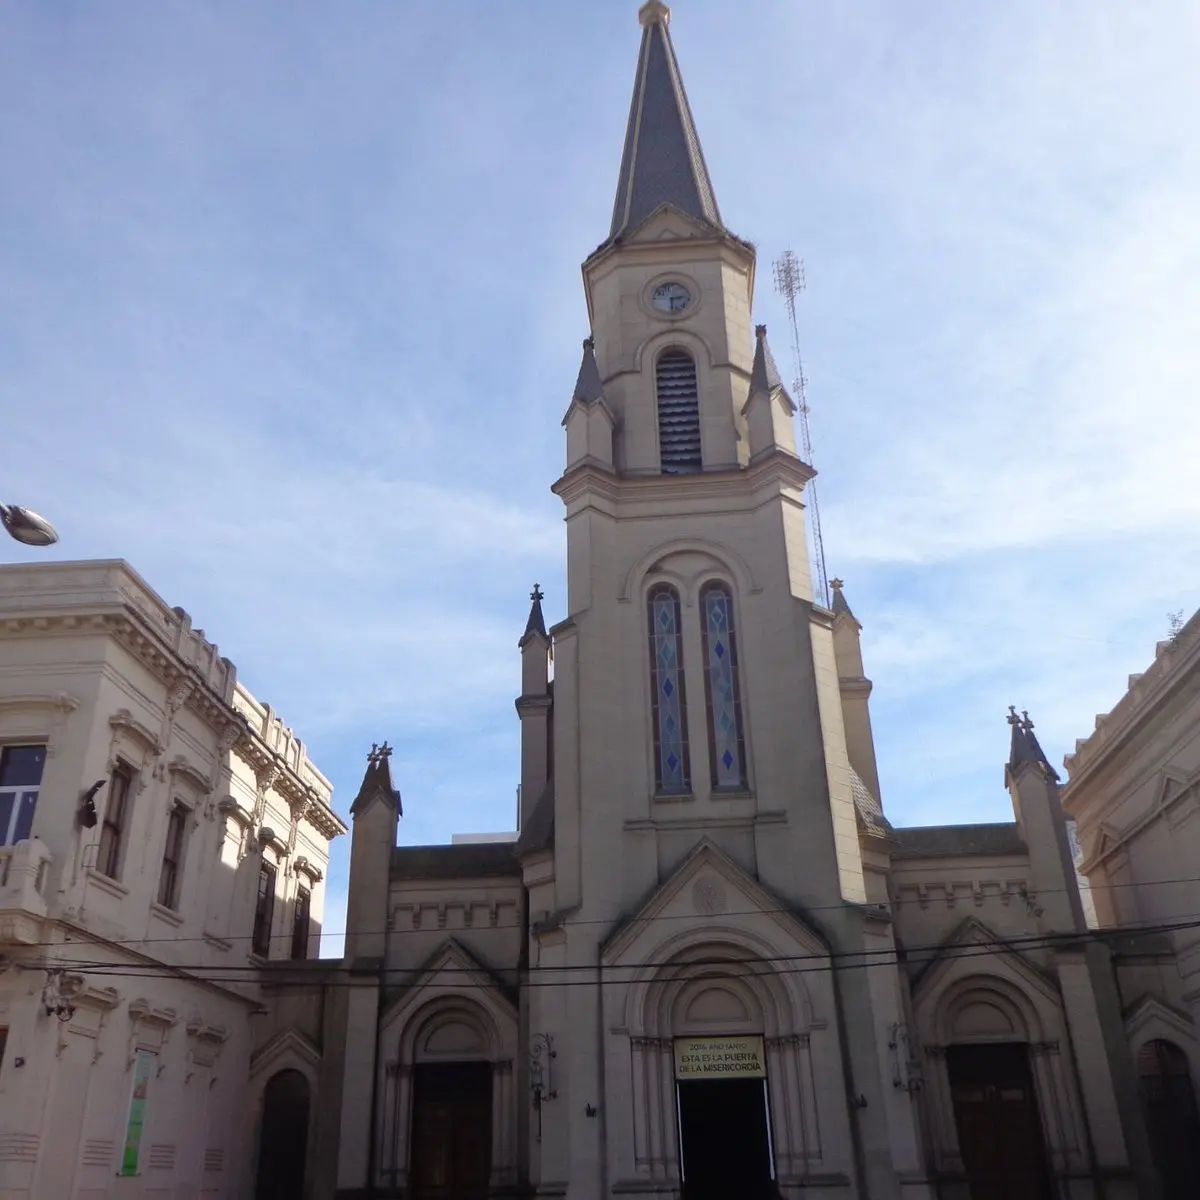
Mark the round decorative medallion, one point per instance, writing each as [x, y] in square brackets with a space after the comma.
[708, 896]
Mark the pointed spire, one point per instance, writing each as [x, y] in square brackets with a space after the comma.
[536, 623]
[840, 604]
[764, 375]
[377, 781]
[662, 162]
[1025, 746]
[588, 387]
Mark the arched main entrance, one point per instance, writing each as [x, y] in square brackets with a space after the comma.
[724, 1081]
[283, 1137]
[1172, 1119]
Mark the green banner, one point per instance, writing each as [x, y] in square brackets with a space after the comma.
[143, 1064]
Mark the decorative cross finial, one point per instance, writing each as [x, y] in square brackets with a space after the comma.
[536, 594]
[760, 332]
[379, 753]
[836, 584]
[1027, 723]
[1013, 719]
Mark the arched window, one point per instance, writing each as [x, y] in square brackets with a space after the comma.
[678, 413]
[726, 750]
[283, 1137]
[1172, 1120]
[672, 771]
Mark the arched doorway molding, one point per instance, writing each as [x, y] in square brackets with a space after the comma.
[720, 979]
[957, 1003]
[288, 1050]
[453, 1012]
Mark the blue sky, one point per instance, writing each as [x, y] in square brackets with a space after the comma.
[290, 310]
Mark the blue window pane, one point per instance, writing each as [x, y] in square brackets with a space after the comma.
[725, 718]
[25, 807]
[668, 695]
[22, 765]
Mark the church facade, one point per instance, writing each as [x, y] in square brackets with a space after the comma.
[708, 966]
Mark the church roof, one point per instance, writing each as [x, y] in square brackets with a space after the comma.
[462, 861]
[957, 841]
[870, 811]
[662, 162]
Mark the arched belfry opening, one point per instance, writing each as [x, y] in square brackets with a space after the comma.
[283, 1137]
[678, 395]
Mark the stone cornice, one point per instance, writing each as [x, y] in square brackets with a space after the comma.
[58, 701]
[1176, 664]
[776, 470]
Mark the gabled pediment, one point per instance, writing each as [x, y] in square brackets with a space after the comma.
[668, 223]
[287, 1048]
[450, 968]
[1151, 1017]
[710, 891]
[973, 948]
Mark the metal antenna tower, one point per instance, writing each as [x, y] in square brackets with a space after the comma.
[789, 283]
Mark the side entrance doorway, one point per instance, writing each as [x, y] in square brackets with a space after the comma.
[999, 1127]
[451, 1131]
[724, 1118]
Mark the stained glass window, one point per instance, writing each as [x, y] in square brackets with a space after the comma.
[672, 772]
[726, 751]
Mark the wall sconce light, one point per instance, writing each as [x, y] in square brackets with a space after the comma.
[859, 1101]
[87, 805]
[541, 1074]
[590, 1110]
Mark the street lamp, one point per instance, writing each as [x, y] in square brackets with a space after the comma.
[26, 526]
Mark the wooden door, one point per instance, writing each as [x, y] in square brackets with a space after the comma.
[999, 1128]
[451, 1131]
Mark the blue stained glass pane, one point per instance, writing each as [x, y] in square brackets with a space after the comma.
[722, 690]
[671, 745]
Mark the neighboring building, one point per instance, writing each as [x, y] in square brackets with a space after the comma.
[709, 964]
[1134, 791]
[135, 916]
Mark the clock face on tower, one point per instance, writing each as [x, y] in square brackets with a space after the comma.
[671, 297]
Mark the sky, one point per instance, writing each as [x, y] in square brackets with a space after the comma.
[290, 311]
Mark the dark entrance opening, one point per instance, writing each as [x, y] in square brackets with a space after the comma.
[726, 1145]
[283, 1138]
[1172, 1118]
[999, 1131]
[451, 1131]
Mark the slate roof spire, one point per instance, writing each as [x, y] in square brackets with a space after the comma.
[764, 375]
[840, 603]
[589, 387]
[662, 162]
[537, 622]
[377, 781]
[1025, 746]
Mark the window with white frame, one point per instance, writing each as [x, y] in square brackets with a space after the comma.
[21, 770]
[264, 910]
[172, 863]
[116, 821]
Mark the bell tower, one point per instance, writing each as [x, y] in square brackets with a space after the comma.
[696, 688]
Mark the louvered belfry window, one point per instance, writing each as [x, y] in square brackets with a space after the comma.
[678, 413]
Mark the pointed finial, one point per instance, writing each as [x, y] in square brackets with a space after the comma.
[589, 342]
[760, 332]
[1027, 724]
[836, 584]
[537, 622]
[1013, 719]
[653, 11]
